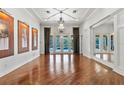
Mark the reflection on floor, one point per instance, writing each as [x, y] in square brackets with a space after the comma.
[62, 69]
[105, 56]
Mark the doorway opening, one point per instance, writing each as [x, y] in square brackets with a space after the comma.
[61, 44]
[103, 40]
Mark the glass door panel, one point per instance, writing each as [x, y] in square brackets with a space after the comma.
[97, 42]
[112, 42]
[105, 42]
[51, 47]
[57, 44]
[61, 44]
[65, 44]
[71, 44]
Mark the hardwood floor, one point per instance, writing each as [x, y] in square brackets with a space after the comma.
[66, 69]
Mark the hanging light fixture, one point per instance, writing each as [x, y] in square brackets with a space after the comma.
[61, 21]
[61, 25]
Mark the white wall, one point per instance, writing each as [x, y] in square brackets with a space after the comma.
[9, 64]
[81, 39]
[119, 18]
[97, 15]
[118, 64]
[104, 29]
[54, 31]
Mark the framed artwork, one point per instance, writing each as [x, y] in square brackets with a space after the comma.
[6, 35]
[34, 38]
[23, 37]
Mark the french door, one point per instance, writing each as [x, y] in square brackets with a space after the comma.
[61, 44]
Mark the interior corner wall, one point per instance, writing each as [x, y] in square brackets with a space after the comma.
[11, 63]
[97, 15]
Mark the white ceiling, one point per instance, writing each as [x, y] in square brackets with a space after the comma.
[42, 15]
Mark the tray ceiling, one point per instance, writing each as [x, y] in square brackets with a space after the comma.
[69, 15]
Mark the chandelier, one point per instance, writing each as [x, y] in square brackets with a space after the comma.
[61, 25]
[61, 21]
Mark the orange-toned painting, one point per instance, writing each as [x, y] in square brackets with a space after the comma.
[6, 35]
[23, 37]
[34, 38]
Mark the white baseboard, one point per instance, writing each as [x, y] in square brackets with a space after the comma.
[87, 56]
[119, 70]
[104, 62]
[16, 67]
[116, 69]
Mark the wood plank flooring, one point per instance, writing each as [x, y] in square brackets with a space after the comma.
[62, 69]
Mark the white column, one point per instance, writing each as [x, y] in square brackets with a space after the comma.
[61, 43]
[116, 42]
[92, 42]
[101, 42]
[54, 43]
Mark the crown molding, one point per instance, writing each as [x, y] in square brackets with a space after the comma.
[31, 13]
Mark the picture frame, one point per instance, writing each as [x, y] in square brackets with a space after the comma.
[34, 39]
[6, 34]
[23, 37]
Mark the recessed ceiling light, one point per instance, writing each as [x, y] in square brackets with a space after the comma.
[74, 11]
[47, 11]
